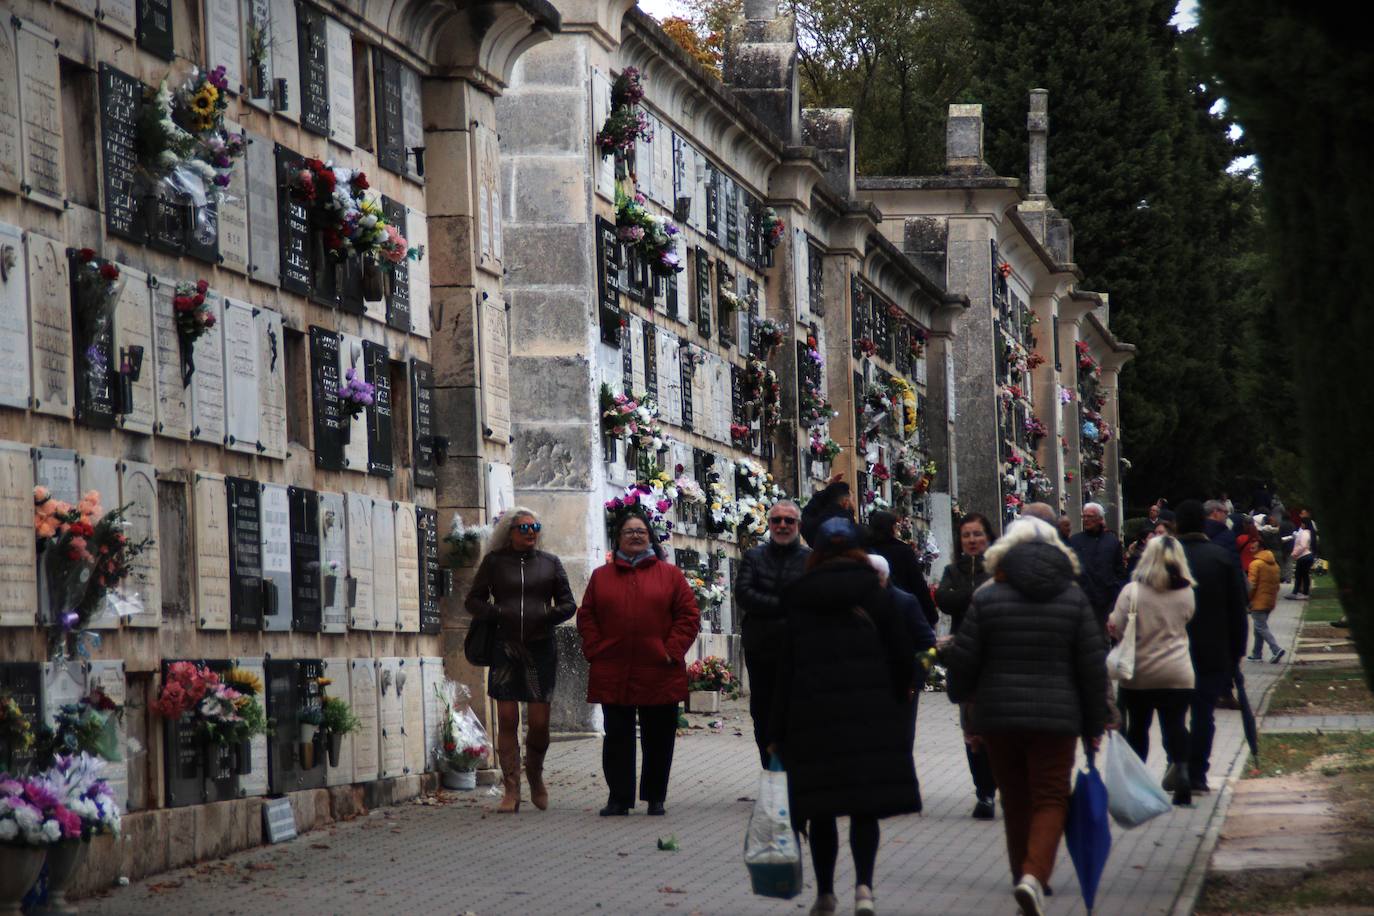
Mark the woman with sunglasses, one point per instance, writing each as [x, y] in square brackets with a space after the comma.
[638, 621]
[527, 592]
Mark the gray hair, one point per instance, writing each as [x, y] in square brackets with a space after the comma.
[1043, 511]
[787, 502]
[1027, 531]
[500, 532]
[1095, 507]
[1213, 505]
[879, 563]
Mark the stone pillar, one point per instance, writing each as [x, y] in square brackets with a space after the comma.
[964, 141]
[760, 67]
[1038, 123]
[1045, 395]
[1072, 309]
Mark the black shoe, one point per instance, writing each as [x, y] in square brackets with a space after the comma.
[1200, 786]
[1254, 658]
[656, 809]
[614, 809]
[1277, 658]
[1342, 624]
[985, 810]
[1183, 790]
[1170, 782]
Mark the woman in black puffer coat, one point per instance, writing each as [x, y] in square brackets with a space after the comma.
[1031, 657]
[840, 716]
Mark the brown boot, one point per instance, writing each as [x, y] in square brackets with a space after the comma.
[534, 769]
[508, 752]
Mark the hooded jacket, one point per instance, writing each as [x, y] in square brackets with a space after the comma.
[1264, 581]
[526, 591]
[764, 573]
[1030, 654]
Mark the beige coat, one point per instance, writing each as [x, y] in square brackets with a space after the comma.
[1161, 636]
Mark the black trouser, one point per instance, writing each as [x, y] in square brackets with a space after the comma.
[1202, 722]
[825, 848]
[1302, 575]
[763, 672]
[980, 768]
[1139, 707]
[657, 733]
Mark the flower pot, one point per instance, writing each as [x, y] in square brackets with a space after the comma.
[335, 745]
[64, 859]
[19, 868]
[331, 589]
[374, 281]
[307, 751]
[707, 701]
[459, 779]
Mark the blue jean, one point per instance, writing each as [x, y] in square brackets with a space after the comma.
[1260, 619]
[1202, 723]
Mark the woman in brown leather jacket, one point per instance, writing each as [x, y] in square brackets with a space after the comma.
[527, 592]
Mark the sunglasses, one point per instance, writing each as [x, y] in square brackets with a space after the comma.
[782, 520]
[528, 527]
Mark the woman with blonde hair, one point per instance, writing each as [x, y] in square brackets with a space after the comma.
[1160, 595]
[526, 590]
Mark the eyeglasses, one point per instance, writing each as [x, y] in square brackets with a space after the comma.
[528, 527]
[634, 532]
[782, 520]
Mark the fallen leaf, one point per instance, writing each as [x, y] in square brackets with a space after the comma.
[667, 889]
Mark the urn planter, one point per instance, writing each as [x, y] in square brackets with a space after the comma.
[703, 701]
[64, 861]
[19, 868]
[459, 779]
[335, 745]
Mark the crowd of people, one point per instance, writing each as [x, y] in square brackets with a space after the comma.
[839, 631]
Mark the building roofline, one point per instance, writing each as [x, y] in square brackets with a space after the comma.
[940, 183]
[1039, 248]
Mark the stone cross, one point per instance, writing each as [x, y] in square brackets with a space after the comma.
[1038, 123]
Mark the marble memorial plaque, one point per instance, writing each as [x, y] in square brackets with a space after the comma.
[408, 583]
[275, 512]
[305, 560]
[172, 396]
[18, 572]
[431, 573]
[339, 45]
[153, 23]
[636, 342]
[431, 676]
[333, 564]
[119, 16]
[293, 228]
[489, 197]
[412, 126]
[484, 223]
[224, 40]
[380, 461]
[271, 384]
[667, 374]
[245, 554]
[10, 154]
[56, 469]
[242, 385]
[260, 183]
[211, 552]
[284, 52]
[50, 331]
[64, 684]
[133, 328]
[390, 719]
[233, 215]
[108, 677]
[324, 389]
[17, 379]
[702, 420]
[254, 782]
[358, 594]
[138, 491]
[40, 126]
[410, 682]
[362, 684]
[101, 474]
[352, 356]
[601, 109]
[384, 564]
[387, 83]
[495, 370]
[314, 72]
[500, 488]
[257, 52]
[337, 671]
[93, 346]
[644, 160]
[422, 463]
[418, 235]
[121, 101]
[207, 384]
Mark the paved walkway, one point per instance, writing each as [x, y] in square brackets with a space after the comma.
[1352, 723]
[454, 858]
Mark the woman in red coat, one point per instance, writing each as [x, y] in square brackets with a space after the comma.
[638, 621]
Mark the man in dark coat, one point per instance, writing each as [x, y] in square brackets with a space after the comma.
[764, 573]
[1216, 634]
[904, 570]
[1216, 526]
[835, 501]
[1102, 565]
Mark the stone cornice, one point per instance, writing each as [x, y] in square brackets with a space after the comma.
[940, 183]
[1077, 304]
[1070, 270]
[1118, 354]
[603, 20]
[792, 182]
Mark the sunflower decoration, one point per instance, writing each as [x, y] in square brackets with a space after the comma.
[245, 682]
[202, 105]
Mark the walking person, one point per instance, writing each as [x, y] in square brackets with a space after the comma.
[960, 580]
[1160, 594]
[1216, 634]
[765, 572]
[904, 568]
[835, 500]
[526, 590]
[1100, 558]
[1264, 594]
[638, 621]
[913, 616]
[840, 714]
[1304, 555]
[1032, 658]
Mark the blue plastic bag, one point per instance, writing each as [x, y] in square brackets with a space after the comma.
[1087, 833]
[771, 851]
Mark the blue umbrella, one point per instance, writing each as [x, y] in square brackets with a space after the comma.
[1087, 834]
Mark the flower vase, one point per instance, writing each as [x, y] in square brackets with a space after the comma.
[331, 590]
[703, 701]
[19, 868]
[308, 733]
[459, 779]
[64, 859]
[243, 757]
[345, 428]
[335, 745]
[374, 281]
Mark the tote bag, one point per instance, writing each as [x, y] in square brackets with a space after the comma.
[1121, 660]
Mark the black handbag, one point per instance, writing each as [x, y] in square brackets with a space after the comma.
[480, 643]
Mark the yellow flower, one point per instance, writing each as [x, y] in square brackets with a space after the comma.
[244, 681]
[203, 102]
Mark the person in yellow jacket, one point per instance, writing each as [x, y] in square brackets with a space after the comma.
[1264, 594]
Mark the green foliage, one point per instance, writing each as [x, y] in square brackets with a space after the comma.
[337, 717]
[1297, 78]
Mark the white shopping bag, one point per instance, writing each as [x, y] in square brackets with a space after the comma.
[1133, 794]
[771, 852]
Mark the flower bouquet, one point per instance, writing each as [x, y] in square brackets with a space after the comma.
[16, 729]
[740, 434]
[654, 237]
[707, 586]
[772, 227]
[633, 417]
[337, 719]
[463, 742]
[465, 541]
[730, 302]
[31, 814]
[88, 726]
[867, 346]
[900, 387]
[770, 335]
[355, 394]
[626, 123]
[220, 714]
[651, 500]
[193, 318]
[707, 679]
[98, 287]
[350, 221]
[823, 448]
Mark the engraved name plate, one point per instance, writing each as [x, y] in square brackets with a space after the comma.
[431, 573]
[138, 491]
[359, 514]
[50, 335]
[241, 348]
[121, 101]
[384, 564]
[133, 333]
[305, 560]
[407, 569]
[276, 556]
[40, 115]
[362, 682]
[391, 719]
[207, 384]
[17, 380]
[271, 384]
[245, 554]
[333, 564]
[173, 397]
[211, 552]
[264, 249]
[18, 573]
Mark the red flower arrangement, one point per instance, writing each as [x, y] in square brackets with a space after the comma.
[1004, 269]
[740, 434]
[866, 346]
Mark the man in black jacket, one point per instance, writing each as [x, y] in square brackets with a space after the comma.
[1103, 566]
[1216, 634]
[764, 573]
[835, 501]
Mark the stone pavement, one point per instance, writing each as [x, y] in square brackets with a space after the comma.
[1352, 723]
[457, 857]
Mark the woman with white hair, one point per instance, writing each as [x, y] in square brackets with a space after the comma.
[526, 590]
[1031, 658]
[1160, 595]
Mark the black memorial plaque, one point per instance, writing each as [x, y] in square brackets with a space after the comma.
[650, 361]
[398, 293]
[391, 149]
[636, 271]
[423, 445]
[627, 364]
[753, 220]
[121, 101]
[93, 350]
[220, 773]
[324, 385]
[856, 327]
[431, 573]
[737, 396]
[608, 281]
[314, 55]
[712, 202]
[751, 301]
[731, 217]
[154, 27]
[377, 370]
[283, 741]
[725, 283]
[23, 681]
[902, 347]
[303, 510]
[197, 770]
[882, 326]
[703, 266]
[685, 359]
[670, 296]
[293, 228]
[245, 554]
